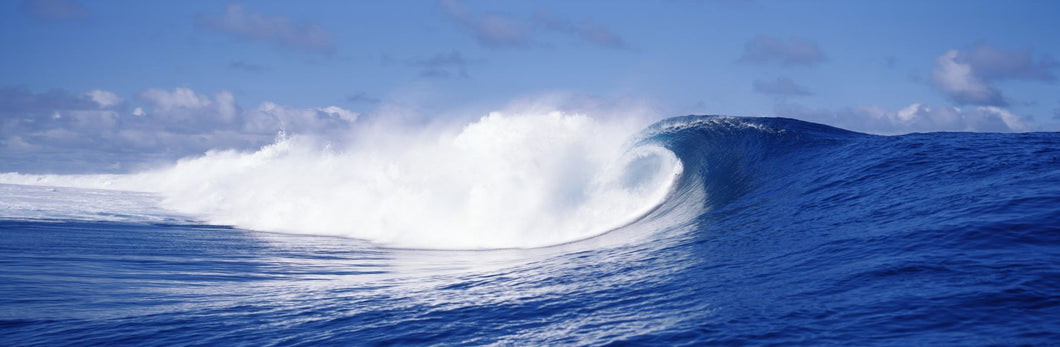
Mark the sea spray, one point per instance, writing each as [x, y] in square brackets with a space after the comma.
[503, 181]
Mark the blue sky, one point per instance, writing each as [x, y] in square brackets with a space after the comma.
[179, 77]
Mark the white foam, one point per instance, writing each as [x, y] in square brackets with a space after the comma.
[44, 203]
[503, 181]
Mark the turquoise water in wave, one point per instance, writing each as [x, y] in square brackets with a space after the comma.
[806, 234]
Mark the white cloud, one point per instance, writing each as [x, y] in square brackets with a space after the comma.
[916, 117]
[178, 98]
[1014, 122]
[957, 80]
[183, 110]
[92, 119]
[270, 117]
[909, 113]
[104, 98]
[340, 112]
[226, 106]
[967, 76]
[180, 122]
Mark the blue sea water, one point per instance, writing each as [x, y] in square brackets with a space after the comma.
[807, 234]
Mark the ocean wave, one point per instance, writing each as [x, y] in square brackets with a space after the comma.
[503, 181]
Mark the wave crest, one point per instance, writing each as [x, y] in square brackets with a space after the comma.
[503, 181]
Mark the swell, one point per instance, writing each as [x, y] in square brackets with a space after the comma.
[725, 158]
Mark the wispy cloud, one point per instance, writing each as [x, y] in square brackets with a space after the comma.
[993, 64]
[21, 102]
[507, 31]
[54, 9]
[781, 86]
[791, 52]
[278, 30]
[588, 31]
[441, 65]
[967, 77]
[491, 30]
[178, 98]
[245, 66]
[361, 97]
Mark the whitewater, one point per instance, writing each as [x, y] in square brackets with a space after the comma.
[547, 228]
[518, 181]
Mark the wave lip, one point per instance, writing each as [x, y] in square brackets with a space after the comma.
[501, 182]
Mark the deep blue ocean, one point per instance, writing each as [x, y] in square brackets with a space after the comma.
[806, 235]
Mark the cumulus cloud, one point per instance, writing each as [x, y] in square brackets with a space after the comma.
[178, 98]
[268, 117]
[279, 30]
[764, 50]
[170, 124]
[104, 98]
[21, 102]
[31, 122]
[960, 84]
[913, 118]
[505, 31]
[967, 76]
[183, 110]
[54, 9]
[782, 86]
